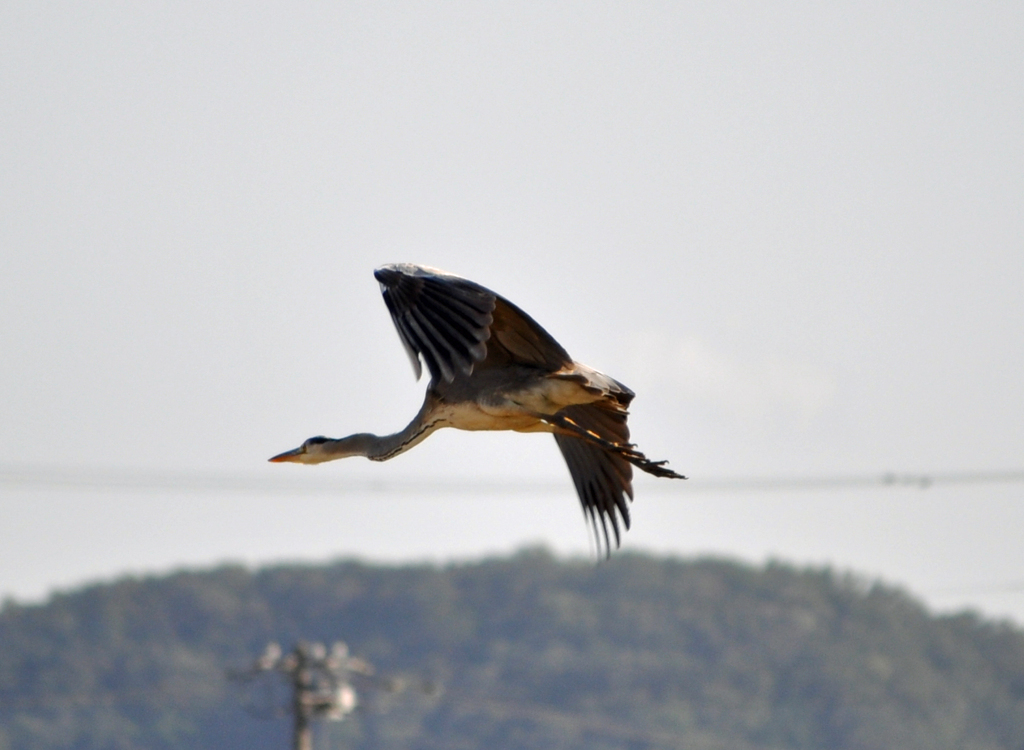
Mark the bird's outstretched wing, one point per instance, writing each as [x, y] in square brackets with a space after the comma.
[442, 318]
[455, 324]
[603, 479]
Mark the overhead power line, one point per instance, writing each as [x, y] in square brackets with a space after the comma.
[88, 479]
[858, 481]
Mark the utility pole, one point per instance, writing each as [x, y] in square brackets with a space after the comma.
[319, 683]
[302, 697]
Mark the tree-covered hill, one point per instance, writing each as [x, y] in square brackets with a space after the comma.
[531, 652]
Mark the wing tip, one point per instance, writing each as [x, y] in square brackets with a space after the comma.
[389, 273]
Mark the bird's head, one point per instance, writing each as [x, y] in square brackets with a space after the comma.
[310, 452]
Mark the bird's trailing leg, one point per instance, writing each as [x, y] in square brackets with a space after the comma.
[626, 450]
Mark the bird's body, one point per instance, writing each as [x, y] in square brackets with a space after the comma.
[493, 367]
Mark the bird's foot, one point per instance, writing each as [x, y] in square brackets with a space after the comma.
[626, 450]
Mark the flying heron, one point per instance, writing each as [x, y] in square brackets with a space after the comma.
[492, 367]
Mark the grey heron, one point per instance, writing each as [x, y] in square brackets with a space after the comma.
[492, 367]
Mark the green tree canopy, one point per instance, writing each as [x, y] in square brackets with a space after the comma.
[531, 652]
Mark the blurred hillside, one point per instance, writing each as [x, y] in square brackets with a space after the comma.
[530, 651]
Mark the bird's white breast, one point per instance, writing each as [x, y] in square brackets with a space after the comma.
[517, 410]
[471, 416]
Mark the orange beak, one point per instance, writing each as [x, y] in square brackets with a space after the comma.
[288, 455]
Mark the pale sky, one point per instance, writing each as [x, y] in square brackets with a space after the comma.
[794, 229]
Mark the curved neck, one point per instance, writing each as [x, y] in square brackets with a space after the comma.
[383, 447]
